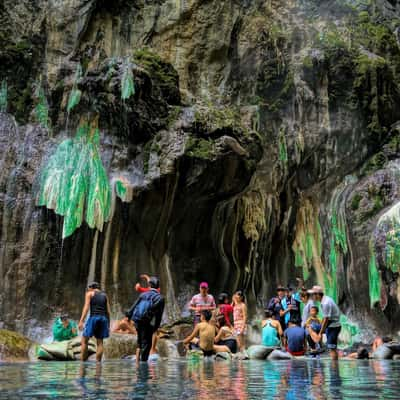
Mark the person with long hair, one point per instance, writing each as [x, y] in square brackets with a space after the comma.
[240, 318]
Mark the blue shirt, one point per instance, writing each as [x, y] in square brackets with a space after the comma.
[295, 302]
[295, 338]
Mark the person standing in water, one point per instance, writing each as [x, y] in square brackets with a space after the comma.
[147, 313]
[98, 324]
[240, 318]
[331, 320]
[143, 289]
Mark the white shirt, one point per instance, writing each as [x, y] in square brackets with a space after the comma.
[331, 311]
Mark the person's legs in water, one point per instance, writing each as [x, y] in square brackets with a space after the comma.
[332, 335]
[241, 342]
[145, 336]
[154, 341]
[99, 350]
[84, 348]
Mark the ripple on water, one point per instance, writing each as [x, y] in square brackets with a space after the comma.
[299, 379]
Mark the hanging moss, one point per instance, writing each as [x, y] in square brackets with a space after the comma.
[127, 83]
[298, 259]
[309, 246]
[74, 182]
[3, 96]
[75, 95]
[42, 107]
[374, 280]
[283, 155]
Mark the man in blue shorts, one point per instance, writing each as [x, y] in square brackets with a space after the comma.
[331, 320]
[98, 324]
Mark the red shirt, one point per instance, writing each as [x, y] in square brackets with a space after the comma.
[142, 289]
[227, 311]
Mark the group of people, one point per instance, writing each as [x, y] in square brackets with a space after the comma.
[218, 327]
[291, 320]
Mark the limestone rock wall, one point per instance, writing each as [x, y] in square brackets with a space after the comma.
[244, 143]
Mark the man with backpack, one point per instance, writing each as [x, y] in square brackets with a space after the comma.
[147, 313]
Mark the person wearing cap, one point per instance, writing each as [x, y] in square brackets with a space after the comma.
[201, 301]
[275, 305]
[98, 324]
[64, 328]
[331, 320]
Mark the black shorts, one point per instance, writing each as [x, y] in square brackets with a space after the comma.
[230, 343]
[207, 353]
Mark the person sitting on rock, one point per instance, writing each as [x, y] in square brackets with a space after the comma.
[271, 330]
[312, 327]
[203, 335]
[295, 338]
[225, 340]
[125, 325]
[64, 328]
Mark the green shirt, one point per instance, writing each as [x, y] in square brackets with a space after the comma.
[60, 332]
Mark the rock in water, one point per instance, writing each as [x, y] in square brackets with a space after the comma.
[13, 346]
[119, 345]
[279, 355]
[259, 352]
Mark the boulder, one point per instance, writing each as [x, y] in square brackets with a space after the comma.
[395, 347]
[259, 352]
[279, 355]
[13, 346]
[223, 356]
[167, 348]
[119, 345]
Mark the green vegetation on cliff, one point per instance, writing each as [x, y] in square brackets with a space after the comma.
[74, 182]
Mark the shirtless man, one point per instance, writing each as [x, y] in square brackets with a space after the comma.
[205, 331]
[125, 325]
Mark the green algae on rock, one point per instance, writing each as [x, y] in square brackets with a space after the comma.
[75, 184]
[3, 96]
[374, 280]
[13, 346]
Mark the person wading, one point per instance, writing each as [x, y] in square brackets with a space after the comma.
[98, 324]
[331, 320]
[147, 313]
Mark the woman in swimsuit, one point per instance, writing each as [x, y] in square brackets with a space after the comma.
[240, 318]
[225, 341]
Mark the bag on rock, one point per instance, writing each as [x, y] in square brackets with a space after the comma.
[259, 352]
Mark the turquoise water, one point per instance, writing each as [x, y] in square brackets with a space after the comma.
[300, 379]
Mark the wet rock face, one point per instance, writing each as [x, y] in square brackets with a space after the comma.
[244, 143]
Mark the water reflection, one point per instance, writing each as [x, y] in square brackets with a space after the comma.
[289, 380]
